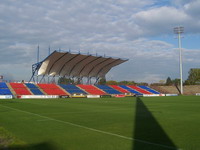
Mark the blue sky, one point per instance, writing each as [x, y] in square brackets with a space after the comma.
[141, 31]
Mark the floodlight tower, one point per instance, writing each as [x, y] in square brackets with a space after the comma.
[179, 30]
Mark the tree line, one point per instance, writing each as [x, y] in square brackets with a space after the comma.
[103, 81]
[193, 79]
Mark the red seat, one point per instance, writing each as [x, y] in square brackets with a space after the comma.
[91, 89]
[54, 92]
[17, 85]
[51, 89]
[47, 86]
[139, 89]
[116, 87]
[20, 89]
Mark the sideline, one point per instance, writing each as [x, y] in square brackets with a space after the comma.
[91, 129]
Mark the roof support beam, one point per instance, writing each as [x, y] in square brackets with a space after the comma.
[98, 65]
[66, 63]
[105, 66]
[78, 64]
[56, 62]
[81, 71]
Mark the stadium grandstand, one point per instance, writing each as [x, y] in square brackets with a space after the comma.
[73, 66]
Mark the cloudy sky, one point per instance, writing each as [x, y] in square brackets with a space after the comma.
[140, 30]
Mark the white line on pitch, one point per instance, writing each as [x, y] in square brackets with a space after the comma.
[92, 129]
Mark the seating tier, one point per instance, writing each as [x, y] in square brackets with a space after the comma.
[36, 92]
[5, 92]
[3, 85]
[17, 85]
[130, 90]
[116, 87]
[51, 89]
[34, 89]
[47, 86]
[91, 89]
[31, 86]
[139, 89]
[149, 89]
[108, 89]
[54, 91]
[72, 89]
[20, 89]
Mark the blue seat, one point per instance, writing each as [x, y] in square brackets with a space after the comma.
[104, 87]
[36, 91]
[112, 91]
[130, 90]
[149, 89]
[68, 86]
[5, 92]
[108, 89]
[75, 91]
[31, 86]
[3, 85]
[72, 89]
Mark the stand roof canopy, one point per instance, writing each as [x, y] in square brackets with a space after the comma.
[77, 65]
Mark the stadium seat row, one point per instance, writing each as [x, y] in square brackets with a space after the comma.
[53, 89]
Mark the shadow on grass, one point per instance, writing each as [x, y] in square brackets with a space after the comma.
[148, 134]
[40, 146]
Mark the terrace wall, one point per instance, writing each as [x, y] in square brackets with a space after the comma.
[187, 89]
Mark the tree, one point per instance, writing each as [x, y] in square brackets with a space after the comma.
[111, 82]
[64, 80]
[126, 83]
[194, 76]
[176, 81]
[187, 82]
[102, 81]
[123, 82]
[168, 81]
[131, 83]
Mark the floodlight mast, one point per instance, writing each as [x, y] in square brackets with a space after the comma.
[179, 30]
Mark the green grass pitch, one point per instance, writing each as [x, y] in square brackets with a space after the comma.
[153, 123]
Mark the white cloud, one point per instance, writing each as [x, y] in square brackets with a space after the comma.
[181, 3]
[160, 20]
[192, 56]
[193, 9]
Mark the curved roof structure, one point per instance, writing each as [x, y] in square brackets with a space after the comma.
[77, 65]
